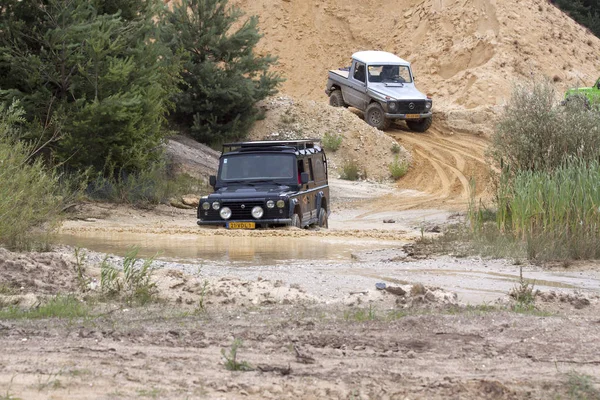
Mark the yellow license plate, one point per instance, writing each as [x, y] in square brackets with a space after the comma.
[413, 116]
[241, 225]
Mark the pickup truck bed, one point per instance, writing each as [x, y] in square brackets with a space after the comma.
[343, 74]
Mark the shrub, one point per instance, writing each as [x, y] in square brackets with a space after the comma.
[350, 170]
[398, 168]
[147, 187]
[395, 148]
[332, 142]
[30, 194]
[536, 133]
[547, 192]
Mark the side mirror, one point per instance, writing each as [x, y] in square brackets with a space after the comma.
[304, 178]
[212, 180]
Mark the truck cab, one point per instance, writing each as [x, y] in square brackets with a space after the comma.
[382, 86]
[268, 183]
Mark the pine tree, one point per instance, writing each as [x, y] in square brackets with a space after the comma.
[223, 78]
[98, 79]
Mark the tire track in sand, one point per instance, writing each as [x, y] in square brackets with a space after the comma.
[443, 165]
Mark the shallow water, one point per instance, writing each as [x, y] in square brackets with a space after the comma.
[266, 250]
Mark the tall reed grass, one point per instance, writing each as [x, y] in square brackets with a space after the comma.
[556, 214]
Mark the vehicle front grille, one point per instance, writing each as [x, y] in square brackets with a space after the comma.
[242, 209]
[418, 107]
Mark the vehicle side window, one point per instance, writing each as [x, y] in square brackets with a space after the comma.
[310, 170]
[359, 71]
[319, 169]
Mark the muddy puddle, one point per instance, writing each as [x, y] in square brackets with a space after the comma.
[266, 250]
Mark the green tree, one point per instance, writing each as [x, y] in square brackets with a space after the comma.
[223, 77]
[93, 79]
[585, 12]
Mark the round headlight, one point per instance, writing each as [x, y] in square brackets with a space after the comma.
[257, 212]
[206, 205]
[392, 106]
[280, 203]
[225, 213]
[216, 205]
[428, 105]
[270, 204]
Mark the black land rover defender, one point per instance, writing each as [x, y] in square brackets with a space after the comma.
[268, 183]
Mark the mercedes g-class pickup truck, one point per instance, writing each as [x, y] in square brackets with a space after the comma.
[382, 86]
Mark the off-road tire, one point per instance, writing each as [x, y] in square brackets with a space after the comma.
[336, 99]
[375, 116]
[296, 221]
[323, 218]
[420, 125]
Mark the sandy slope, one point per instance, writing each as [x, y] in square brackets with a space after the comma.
[465, 53]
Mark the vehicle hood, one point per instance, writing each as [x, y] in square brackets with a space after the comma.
[249, 192]
[581, 89]
[407, 91]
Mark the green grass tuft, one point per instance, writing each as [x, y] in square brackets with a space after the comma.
[398, 168]
[68, 307]
[350, 171]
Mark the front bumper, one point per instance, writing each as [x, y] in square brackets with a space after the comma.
[274, 221]
[403, 116]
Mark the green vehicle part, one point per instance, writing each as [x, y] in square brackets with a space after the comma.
[591, 95]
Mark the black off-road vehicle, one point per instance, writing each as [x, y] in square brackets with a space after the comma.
[268, 183]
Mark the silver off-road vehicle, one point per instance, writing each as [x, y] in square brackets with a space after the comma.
[382, 86]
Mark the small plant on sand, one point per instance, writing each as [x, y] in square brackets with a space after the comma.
[332, 142]
[79, 269]
[523, 294]
[395, 148]
[135, 283]
[201, 305]
[361, 314]
[398, 168]
[350, 170]
[231, 362]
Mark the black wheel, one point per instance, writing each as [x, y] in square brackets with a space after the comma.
[375, 116]
[420, 125]
[323, 220]
[336, 99]
[296, 221]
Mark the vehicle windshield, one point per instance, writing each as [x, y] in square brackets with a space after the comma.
[389, 74]
[257, 167]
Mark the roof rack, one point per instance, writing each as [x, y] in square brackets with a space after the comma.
[292, 144]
